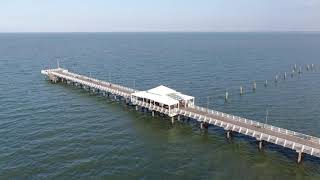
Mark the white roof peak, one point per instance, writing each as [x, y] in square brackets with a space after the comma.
[162, 90]
[163, 94]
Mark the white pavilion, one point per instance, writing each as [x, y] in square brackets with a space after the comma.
[164, 97]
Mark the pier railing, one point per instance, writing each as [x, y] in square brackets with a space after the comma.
[154, 107]
[121, 88]
[102, 82]
[258, 124]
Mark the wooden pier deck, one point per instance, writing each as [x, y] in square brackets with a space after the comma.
[301, 143]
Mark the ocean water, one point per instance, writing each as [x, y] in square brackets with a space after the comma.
[56, 131]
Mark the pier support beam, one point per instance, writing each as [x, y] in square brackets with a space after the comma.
[152, 113]
[179, 117]
[299, 157]
[172, 119]
[137, 108]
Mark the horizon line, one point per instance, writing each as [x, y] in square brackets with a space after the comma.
[270, 31]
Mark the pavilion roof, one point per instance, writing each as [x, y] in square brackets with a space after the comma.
[164, 95]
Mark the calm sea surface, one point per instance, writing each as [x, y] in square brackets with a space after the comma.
[63, 132]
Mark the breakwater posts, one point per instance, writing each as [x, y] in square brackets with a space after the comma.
[301, 143]
[295, 70]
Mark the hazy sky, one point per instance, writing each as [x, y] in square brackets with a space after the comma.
[158, 15]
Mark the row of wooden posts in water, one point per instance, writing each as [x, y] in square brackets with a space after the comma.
[295, 69]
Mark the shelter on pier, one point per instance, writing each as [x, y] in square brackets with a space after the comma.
[164, 97]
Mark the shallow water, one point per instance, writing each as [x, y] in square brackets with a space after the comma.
[59, 131]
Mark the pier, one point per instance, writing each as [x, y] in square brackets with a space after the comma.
[176, 105]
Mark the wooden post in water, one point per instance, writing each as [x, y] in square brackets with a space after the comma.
[241, 90]
[254, 86]
[276, 79]
[285, 76]
[266, 83]
[226, 96]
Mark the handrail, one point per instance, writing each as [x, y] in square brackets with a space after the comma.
[94, 80]
[258, 124]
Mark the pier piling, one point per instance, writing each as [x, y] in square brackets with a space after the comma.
[228, 134]
[299, 157]
[260, 144]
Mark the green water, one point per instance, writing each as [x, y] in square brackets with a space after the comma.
[55, 131]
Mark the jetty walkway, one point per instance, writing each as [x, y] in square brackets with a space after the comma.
[177, 105]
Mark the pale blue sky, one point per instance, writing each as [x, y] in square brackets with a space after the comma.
[160, 15]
